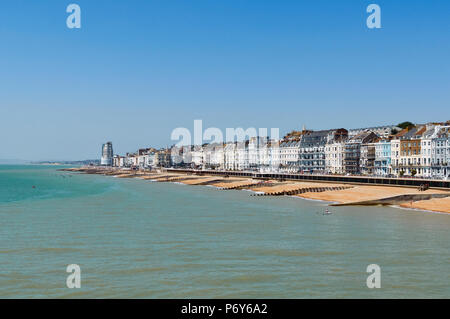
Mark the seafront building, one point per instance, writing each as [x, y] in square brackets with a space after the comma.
[256, 145]
[395, 155]
[367, 158]
[213, 156]
[334, 151]
[382, 163]
[132, 160]
[334, 157]
[410, 152]
[425, 152]
[353, 163]
[290, 156]
[270, 157]
[381, 131]
[150, 159]
[196, 156]
[107, 154]
[163, 158]
[388, 151]
[440, 156]
[230, 156]
[242, 159]
[312, 152]
[118, 161]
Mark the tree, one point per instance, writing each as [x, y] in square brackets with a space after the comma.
[401, 173]
[404, 125]
[413, 172]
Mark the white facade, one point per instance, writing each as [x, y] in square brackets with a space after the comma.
[142, 160]
[383, 157]
[269, 157]
[230, 156]
[395, 157]
[150, 160]
[426, 155]
[218, 158]
[440, 157]
[440, 153]
[118, 161]
[289, 156]
[334, 158]
[131, 160]
[213, 156]
[242, 160]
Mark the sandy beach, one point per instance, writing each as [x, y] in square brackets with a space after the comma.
[336, 193]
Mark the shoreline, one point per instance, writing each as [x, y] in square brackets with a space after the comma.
[334, 194]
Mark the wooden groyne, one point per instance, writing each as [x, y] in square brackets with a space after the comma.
[242, 186]
[209, 182]
[302, 190]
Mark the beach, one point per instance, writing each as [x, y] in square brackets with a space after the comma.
[434, 200]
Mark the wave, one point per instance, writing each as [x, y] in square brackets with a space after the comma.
[418, 209]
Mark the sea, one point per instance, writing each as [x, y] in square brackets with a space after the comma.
[134, 238]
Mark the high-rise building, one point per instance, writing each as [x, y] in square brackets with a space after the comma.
[107, 154]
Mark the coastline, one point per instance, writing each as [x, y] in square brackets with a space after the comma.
[331, 193]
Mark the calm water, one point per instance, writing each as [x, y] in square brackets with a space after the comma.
[141, 239]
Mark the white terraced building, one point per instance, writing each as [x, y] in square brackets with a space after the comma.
[119, 161]
[255, 146]
[334, 158]
[242, 161]
[270, 157]
[425, 152]
[131, 160]
[395, 156]
[290, 156]
[150, 160]
[197, 156]
[440, 157]
[230, 156]
[213, 156]
[382, 165]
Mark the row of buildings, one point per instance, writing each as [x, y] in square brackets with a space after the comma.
[418, 150]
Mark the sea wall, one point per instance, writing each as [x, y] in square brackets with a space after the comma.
[404, 182]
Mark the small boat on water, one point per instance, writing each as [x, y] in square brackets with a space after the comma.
[327, 212]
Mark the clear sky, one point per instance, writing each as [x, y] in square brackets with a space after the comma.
[138, 69]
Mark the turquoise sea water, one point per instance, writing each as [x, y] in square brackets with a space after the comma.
[140, 239]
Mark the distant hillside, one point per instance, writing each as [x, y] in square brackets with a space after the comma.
[84, 162]
[13, 161]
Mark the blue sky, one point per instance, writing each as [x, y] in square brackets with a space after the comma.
[138, 69]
